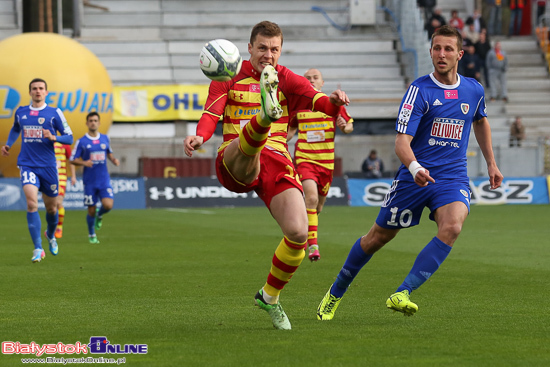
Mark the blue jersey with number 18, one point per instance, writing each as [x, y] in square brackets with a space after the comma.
[37, 151]
[440, 117]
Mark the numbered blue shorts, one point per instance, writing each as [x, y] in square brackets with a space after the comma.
[93, 194]
[405, 201]
[45, 178]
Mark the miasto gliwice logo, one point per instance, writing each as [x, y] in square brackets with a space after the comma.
[100, 345]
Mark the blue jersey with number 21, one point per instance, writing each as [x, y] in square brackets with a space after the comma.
[96, 149]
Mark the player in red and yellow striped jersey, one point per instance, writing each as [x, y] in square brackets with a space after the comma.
[62, 155]
[254, 109]
[314, 156]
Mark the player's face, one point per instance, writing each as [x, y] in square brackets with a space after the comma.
[445, 55]
[315, 78]
[264, 51]
[38, 92]
[92, 123]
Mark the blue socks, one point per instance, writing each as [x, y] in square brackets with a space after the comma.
[427, 262]
[34, 224]
[357, 258]
[51, 220]
[90, 220]
[102, 211]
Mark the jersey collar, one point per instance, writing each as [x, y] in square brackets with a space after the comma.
[39, 108]
[446, 86]
[92, 138]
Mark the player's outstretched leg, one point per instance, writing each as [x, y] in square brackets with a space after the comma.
[401, 302]
[254, 134]
[53, 244]
[357, 258]
[275, 311]
[328, 306]
[271, 109]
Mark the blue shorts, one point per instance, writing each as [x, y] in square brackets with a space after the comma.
[93, 194]
[405, 201]
[45, 178]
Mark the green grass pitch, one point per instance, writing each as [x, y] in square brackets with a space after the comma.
[183, 281]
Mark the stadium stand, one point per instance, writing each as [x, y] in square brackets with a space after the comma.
[158, 42]
[10, 18]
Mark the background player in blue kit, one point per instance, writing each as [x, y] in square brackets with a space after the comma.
[39, 125]
[92, 151]
[433, 129]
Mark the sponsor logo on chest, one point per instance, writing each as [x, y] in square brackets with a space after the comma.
[32, 132]
[447, 128]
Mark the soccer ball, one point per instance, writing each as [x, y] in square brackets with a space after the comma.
[220, 60]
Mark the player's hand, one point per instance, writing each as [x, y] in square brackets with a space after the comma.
[116, 162]
[341, 122]
[73, 181]
[422, 178]
[495, 177]
[89, 163]
[6, 151]
[191, 143]
[339, 98]
[48, 135]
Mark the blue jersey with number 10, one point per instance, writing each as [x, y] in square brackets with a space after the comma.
[440, 117]
[97, 150]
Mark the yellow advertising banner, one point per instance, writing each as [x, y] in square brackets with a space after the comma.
[159, 102]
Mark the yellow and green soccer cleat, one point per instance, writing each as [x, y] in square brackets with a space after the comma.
[278, 315]
[401, 302]
[93, 240]
[328, 306]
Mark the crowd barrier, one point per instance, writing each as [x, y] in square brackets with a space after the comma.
[141, 193]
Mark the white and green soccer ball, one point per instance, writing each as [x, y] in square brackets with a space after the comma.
[220, 60]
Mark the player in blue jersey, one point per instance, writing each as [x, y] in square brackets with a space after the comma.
[38, 125]
[433, 129]
[92, 151]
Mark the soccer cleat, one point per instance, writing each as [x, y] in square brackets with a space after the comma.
[278, 315]
[93, 240]
[98, 222]
[269, 81]
[314, 254]
[59, 232]
[37, 255]
[328, 306]
[53, 244]
[401, 302]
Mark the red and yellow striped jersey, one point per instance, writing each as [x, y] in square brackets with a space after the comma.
[62, 156]
[238, 100]
[315, 143]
